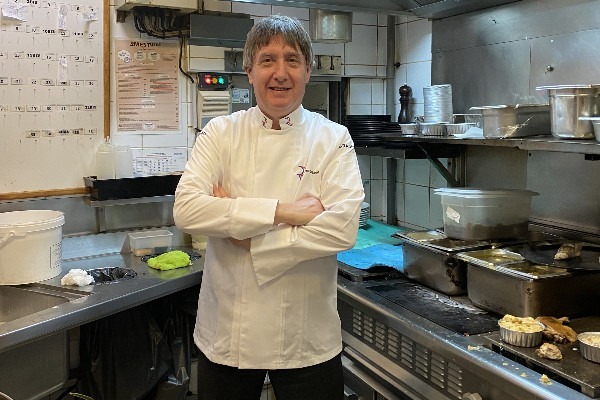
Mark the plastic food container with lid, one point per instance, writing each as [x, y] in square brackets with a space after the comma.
[484, 214]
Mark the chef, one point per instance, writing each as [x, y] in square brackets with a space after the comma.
[277, 190]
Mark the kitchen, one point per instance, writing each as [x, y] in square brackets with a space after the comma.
[505, 66]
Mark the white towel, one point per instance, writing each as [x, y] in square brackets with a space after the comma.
[76, 277]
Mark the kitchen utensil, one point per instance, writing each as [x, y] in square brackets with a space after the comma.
[405, 92]
[150, 242]
[467, 118]
[409, 129]
[567, 104]
[430, 259]
[330, 26]
[544, 254]
[482, 214]
[438, 103]
[531, 290]
[458, 129]
[595, 124]
[505, 121]
[432, 129]
[589, 345]
[521, 339]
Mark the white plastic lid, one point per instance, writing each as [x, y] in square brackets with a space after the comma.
[30, 220]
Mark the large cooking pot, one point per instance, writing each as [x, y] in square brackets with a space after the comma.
[567, 104]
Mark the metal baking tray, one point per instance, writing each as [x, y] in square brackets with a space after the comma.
[510, 263]
[438, 240]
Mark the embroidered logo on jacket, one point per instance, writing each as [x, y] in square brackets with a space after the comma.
[288, 121]
[304, 170]
[264, 121]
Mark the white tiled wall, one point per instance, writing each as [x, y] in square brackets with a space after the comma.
[416, 205]
[364, 59]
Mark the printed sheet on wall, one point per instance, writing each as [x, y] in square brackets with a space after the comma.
[52, 91]
[147, 86]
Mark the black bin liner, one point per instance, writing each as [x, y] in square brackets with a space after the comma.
[111, 274]
[141, 353]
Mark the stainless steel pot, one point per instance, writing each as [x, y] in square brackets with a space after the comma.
[327, 26]
[519, 120]
[567, 104]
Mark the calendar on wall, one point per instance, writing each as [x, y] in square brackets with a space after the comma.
[51, 93]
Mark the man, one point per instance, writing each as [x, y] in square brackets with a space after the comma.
[277, 190]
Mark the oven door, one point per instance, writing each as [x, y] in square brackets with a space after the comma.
[363, 380]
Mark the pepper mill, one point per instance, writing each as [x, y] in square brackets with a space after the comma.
[405, 93]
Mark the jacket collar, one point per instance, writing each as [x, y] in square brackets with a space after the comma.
[289, 121]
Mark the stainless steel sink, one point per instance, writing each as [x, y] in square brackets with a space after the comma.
[45, 359]
[20, 301]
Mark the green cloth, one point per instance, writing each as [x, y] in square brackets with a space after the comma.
[170, 260]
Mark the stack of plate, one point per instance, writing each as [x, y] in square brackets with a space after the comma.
[365, 212]
[367, 129]
[438, 103]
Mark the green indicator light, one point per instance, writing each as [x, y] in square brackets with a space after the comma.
[221, 80]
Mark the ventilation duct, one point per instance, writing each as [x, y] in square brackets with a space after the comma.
[219, 30]
[419, 8]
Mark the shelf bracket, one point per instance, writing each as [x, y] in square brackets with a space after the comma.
[440, 167]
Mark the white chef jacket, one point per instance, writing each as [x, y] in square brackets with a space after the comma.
[274, 306]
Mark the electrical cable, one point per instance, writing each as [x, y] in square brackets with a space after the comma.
[182, 41]
[163, 24]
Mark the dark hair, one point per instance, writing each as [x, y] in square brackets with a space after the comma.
[289, 29]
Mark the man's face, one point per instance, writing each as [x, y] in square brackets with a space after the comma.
[279, 74]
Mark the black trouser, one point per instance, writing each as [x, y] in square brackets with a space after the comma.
[318, 382]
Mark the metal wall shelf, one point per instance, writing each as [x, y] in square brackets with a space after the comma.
[531, 143]
[100, 206]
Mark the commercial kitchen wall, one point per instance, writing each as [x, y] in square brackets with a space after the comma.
[364, 59]
[500, 56]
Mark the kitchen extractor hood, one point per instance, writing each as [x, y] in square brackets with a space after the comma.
[219, 30]
[419, 8]
[447, 8]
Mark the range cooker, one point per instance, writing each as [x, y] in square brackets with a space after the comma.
[403, 340]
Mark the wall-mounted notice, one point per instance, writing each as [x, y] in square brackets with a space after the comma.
[51, 93]
[147, 88]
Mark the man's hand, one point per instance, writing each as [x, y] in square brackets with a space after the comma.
[218, 191]
[299, 212]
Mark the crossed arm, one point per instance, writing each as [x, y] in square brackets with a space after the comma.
[297, 213]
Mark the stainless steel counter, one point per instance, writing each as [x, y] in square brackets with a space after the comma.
[423, 360]
[88, 303]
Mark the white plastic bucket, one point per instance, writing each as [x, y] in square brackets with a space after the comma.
[30, 246]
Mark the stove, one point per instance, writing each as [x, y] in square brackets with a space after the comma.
[433, 346]
[453, 313]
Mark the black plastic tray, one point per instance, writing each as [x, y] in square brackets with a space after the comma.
[129, 188]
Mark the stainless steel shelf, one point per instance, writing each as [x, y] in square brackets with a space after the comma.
[531, 143]
[100, 206]
[121, 202]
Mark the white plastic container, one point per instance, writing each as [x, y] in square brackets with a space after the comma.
[30, 246]
[123, 162]
[484, 214]
[105, 161]
[150, 242]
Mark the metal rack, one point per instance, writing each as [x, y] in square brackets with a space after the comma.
[434, 148]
